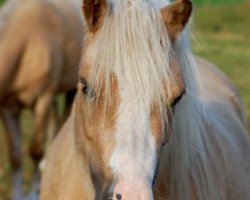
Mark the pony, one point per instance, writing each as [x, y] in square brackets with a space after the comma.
[40, 47]
[150, 120]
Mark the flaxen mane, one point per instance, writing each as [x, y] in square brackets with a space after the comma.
[139, 52]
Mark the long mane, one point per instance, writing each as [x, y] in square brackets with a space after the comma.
[138, 51]
[134, 45]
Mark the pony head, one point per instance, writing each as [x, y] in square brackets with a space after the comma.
[129, 80]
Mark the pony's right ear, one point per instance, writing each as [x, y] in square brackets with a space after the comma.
[176, 16]
[94, 12]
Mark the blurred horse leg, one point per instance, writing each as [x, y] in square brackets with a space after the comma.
[12, 127]
[42, 113]
[53, 124]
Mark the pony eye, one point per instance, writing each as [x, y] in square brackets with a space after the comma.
[177, 100]
[86, 89]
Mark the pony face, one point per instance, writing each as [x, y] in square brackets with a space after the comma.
[129, 79]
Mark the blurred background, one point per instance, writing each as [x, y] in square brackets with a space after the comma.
[220, 33]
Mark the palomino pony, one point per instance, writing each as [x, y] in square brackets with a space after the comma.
[40, 47]
[146, 122]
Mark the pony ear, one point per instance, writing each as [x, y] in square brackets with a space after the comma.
[176, 16]
[94, 12]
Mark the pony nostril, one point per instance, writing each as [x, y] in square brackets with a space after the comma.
[118, 196]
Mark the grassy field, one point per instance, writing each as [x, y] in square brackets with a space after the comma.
[221, 34]
[215, 2]
[220, 31]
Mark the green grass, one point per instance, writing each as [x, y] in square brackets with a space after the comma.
[221, 30]
[214, 2]
[1, 2]
[5, 168]
[221, 35]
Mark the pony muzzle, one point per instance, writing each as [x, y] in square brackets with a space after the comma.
[138, 189]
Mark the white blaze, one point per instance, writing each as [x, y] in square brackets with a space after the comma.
[134, 158]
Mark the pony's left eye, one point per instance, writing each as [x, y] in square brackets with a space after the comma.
[177, 100]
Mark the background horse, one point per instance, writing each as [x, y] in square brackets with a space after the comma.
[146, 122]
[40, 45]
